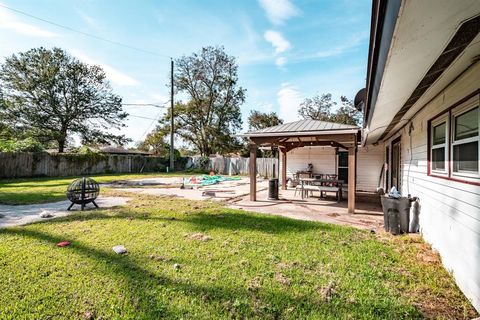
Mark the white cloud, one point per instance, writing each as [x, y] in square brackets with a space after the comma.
[280, 61]
[114, 75]
[349, 44]
[289, 99]
[278, 11]
[90, 21]
[277, 40]
[159, 98]
[9, 21]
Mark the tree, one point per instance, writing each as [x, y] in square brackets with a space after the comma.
[317, 108]
[211, 115]
[258, 120]
[320, 108]
[53, 95]
[347, 114]
[155, 142]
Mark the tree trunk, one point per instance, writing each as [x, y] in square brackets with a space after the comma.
[62, 139]
[61, 145]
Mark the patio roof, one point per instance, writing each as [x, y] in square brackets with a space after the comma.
[307, 126]
[306, 133]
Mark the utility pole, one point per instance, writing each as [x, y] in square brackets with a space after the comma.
[172, 149]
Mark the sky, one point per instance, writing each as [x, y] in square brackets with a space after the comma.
[287, 50]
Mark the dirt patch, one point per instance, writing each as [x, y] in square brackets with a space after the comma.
[282, 279]
[326, 292]
[199, 237]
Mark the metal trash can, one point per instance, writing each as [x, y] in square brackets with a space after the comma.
[273, 189]
[396, 214]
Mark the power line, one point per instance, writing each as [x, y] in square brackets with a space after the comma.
[141, 117]
[162, 106]
[151, 124]
[85, 33]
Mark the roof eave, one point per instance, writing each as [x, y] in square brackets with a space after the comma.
[298, 133]
[384, 16]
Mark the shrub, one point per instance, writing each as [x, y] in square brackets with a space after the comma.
[23, 145]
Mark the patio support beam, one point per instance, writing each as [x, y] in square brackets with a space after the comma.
[351, 179]
[284, 169]
[253, 172]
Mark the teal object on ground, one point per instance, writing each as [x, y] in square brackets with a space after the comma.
[207, 180]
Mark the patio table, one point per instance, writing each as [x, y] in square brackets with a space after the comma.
[325, 184]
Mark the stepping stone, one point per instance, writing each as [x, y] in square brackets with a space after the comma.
[119, 249]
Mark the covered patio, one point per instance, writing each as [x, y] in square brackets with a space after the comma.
[306, 133]
[368, 213]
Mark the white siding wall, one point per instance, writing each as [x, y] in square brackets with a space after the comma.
[324, 160]
[370, 161]
[450, 211]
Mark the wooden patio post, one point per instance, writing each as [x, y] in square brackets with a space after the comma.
[284, 169]
[253, 172]
[351, 179]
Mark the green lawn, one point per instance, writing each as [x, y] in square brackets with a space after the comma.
[232, 264]
[42, 190]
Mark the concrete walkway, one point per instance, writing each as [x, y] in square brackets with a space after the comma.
[24, 214]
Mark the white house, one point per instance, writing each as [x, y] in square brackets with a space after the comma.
[422, 109]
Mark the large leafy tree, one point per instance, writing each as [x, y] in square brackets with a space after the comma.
[320, 107]
[155, 142]
[52, 95]
[211, 113]
[346, 113]
[258, 120]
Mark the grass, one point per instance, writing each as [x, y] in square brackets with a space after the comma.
[231, 265]
[48, 189]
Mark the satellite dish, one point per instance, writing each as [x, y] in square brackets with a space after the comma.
[359, 100]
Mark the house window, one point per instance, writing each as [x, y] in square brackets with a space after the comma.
[342, 168]
[439, 146]
[465, 142]
[454, 143]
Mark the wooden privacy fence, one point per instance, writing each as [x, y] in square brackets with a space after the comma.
[239, 165]
[29, 164]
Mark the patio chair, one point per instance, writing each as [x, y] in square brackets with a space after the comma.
[298, 188]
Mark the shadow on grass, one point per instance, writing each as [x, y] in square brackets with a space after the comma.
[27, 198]
[229, 219]
[139, 280]
[255, 222]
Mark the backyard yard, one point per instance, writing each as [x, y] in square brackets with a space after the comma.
[202, 260]
[48, 189]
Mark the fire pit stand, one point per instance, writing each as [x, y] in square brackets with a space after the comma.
[83, 191]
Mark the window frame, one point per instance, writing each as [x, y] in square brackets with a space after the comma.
[434, 123]
[448, 116]
[458, 111]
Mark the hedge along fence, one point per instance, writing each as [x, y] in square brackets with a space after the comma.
[29, 164]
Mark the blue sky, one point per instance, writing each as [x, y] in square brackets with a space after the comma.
[286, 50]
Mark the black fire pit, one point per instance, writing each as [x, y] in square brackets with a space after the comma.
[82, 191]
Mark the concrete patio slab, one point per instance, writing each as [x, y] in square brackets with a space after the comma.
[368, 214]
[24, 214]
[236, 195]
[223, 191]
